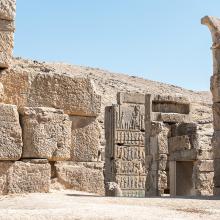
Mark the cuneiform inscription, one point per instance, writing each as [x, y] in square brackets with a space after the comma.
[131, 182]
[129, 137]
[129, 153]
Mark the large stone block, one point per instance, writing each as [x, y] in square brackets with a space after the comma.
[76, 96]
[85, 139]
[159, 142]
[216, 116]
[28, 176]
[10, 133]
[86, 176]
[179, 143]
[171, 117]
[215, 87]
[46, 133]
[216, 144]
[131, 98]
[204, 165]
[217, 172]
[6, 47]
[7, 9]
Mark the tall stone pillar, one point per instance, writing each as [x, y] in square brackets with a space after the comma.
[7, 27]
[213, 24]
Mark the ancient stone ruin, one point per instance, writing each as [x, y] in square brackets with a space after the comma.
[213, 24]
[153, 148]
[50, 136]
[50, 133]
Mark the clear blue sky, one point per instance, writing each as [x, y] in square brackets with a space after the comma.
[160, 40]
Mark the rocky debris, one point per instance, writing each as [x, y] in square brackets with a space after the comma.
[113, 189]
[46, 133]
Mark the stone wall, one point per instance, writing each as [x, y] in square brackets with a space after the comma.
[50, 137]
[174, 149]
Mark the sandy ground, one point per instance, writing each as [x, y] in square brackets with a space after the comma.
[77, 205]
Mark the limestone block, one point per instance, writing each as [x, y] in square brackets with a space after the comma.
[113, 189]
[4, 170]
[215, 87]
[76, 96]
[216, 116]
[204, 154]
[7, 9]
[162, 180]
[217, 172]
[187, 129]
[159, 163]
[179, 143]
[205, 176]
[85, 139]
[135, 98]
[26, 176]
[216, 144]
[29, 176]
[81, 176]
[183, 155]
[159, 142]
[204, 165]
[10, 133]
[46, 133]
[172, 117]
[6, 48]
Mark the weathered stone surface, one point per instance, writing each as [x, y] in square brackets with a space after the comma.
[135, 98]
[156, 183]
[86, 176]
[216, 144]
[125, 151]
[85, 139]
[76, 96]
[46, 133]
[217, 172]
[113, 189]
[10, 132]
[179, 143]
[171, 117]
[159, 163]
[27, 176]
[4, 169]
[204, 165]
[213, 24]
[159, 142]
[7, 9]
[215, 86]
[216, 116]
[6, 48]
[183, 155]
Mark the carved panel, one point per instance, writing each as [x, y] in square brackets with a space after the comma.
[125, 137]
